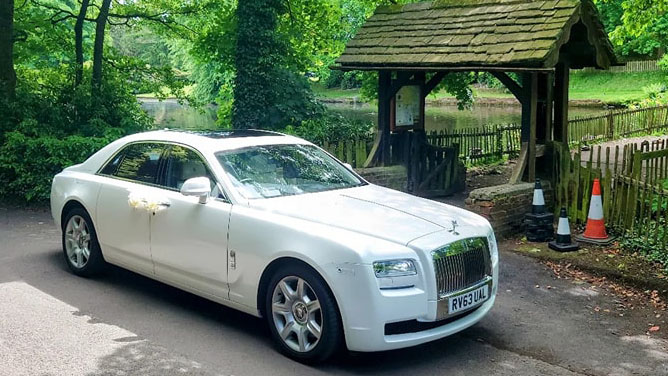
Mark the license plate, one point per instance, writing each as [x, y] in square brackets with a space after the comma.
[468, 300]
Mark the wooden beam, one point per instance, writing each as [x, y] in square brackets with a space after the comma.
[473, 68]
[373, 155]
[533, 109]
[430, 85]
[509, 83]
[561, 78]
[518, 171]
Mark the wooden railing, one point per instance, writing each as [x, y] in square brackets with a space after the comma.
[631, 66]
[633, 183]
[617, 124]
[480, 145]
[353, 152]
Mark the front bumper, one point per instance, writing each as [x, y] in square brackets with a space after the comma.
[366, 310]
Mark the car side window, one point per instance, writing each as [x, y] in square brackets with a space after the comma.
[138, 162]
[182, 164]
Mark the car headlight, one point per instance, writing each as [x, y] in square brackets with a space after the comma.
[394, 268]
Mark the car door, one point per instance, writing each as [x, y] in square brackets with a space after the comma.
[189, 239]
[123, 227]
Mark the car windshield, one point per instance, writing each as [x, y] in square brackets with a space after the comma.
[284, 170]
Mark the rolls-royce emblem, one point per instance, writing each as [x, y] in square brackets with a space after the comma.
[453, 230]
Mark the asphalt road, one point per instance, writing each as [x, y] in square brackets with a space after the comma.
[53, 323]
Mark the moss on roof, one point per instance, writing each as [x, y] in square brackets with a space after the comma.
[474, 33]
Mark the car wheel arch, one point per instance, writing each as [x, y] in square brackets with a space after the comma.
[69, 206]
[274, 265]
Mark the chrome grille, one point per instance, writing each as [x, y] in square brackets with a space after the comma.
[461, 264]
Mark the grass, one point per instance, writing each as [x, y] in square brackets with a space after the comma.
[613, 87]
[607, 87]
[322, 92]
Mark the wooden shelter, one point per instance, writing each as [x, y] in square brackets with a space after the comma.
[418, 44]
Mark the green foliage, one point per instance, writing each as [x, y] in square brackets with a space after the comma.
[332, 127]
[267, 94]
[344, 80]
[637, 28]
[51, 126]
[28, 163]
[654, 91]
[649, 246]
[459, 85]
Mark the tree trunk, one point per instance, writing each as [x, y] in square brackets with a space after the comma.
[98, 47]
[7, 73]
[257, 56]
[78, 43]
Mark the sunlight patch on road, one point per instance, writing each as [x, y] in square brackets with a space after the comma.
[40, 334]
[581, 291]
[656, 348]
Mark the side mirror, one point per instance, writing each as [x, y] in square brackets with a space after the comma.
[198, 187]
[348, 166]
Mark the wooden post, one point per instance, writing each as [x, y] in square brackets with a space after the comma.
[561, 78]
[549, 103]
[384, 103]
[533, 108]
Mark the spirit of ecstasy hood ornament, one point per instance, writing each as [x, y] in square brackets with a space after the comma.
[453, 230]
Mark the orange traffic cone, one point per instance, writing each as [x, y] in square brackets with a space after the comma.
[595, 230]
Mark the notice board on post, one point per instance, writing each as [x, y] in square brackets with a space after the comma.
[407, 114]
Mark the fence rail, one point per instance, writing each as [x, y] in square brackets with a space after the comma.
[480, 144]
[631, 66]
[617, 124]
[353, 152]
[632, 181]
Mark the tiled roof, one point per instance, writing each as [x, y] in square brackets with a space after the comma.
[473, 33]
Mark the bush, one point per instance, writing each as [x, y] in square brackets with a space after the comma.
[652, 247]
[344, 80]
[334, 79]
[332, 127]
[28, 163]
[50, 126]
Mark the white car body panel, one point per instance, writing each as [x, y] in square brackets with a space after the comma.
[339, 233]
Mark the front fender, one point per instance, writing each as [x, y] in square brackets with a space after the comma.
[260, 237]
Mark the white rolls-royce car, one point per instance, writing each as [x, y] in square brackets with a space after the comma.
[276, 227]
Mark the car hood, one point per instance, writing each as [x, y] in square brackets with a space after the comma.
[372, 210]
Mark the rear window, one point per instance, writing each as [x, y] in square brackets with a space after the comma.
[137, 162]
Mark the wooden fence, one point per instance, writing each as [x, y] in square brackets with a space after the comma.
[617, 124]
[353, 152]
[631, 66]
[632, 178]
[480, 145]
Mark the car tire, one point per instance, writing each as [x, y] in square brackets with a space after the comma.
[303, 315]
[80, 246]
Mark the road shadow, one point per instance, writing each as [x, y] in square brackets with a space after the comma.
[228, 329]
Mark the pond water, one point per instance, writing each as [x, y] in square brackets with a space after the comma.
[171, 114]
[449, 117]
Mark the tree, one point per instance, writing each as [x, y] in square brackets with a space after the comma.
[98, 47]
[7, 72]
[637, 28]
[78, 42]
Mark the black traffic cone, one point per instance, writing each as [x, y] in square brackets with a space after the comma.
[538, 203]
[538, 224]
[563, 242]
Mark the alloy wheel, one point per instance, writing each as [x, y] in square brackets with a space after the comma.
[77, 241]
[297, 314]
